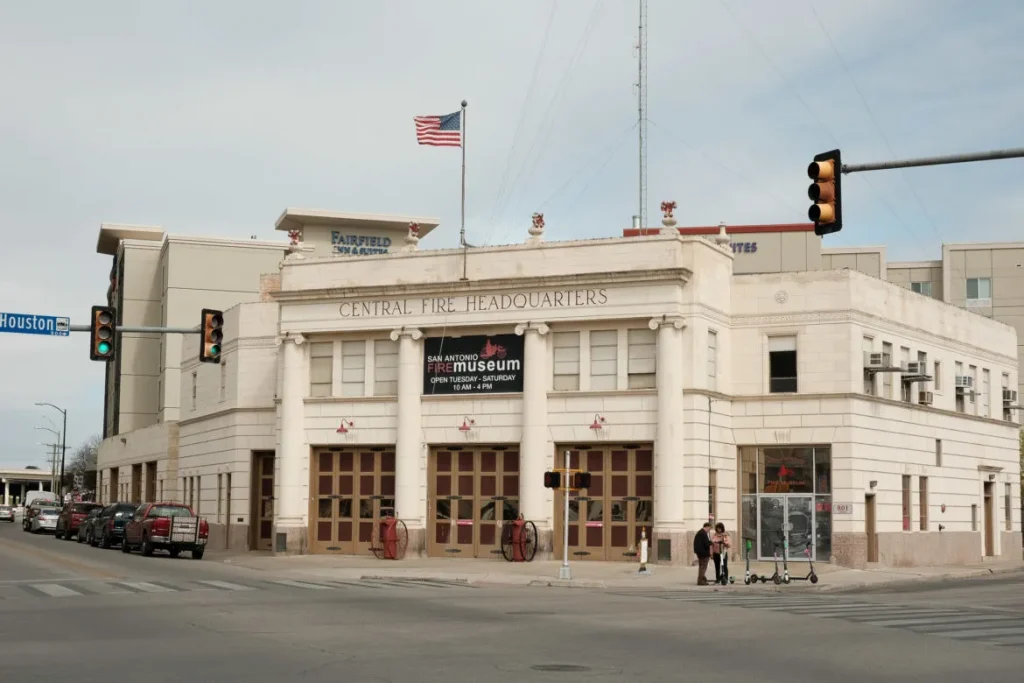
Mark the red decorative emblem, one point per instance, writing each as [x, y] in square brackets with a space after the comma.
[492, 350]
[414, 229]
[667, 208]
[294, 236]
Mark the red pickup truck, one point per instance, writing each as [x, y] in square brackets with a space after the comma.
[166, 526]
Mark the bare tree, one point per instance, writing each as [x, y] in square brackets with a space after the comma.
[80, 472]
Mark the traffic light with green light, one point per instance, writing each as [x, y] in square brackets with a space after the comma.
[102, 333]
[213, 334]
[826, 192]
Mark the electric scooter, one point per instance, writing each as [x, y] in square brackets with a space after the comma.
[775, 578]
[785, 562]
[812, 576]
[749, 578]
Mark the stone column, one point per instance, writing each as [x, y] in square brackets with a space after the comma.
[669, 497]
[292, 501]
[7, 492]
[534, 449]
[408, 441]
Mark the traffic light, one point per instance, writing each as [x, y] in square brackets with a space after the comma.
[826, 192]
[213, 333]
[552, 480]
[581, 480]
[102, 330]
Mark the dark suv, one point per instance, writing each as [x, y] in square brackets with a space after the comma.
[71, 517]
[108, 528]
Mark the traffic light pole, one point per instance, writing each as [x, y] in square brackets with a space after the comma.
[564, 573]
[142, 330]
[1016, 153]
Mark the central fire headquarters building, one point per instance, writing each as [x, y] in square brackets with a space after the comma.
[827, 411]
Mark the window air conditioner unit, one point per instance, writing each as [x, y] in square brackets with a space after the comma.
[876, 360]
[915, 368]
[925, 398]
[964, 382]
[1009, 395]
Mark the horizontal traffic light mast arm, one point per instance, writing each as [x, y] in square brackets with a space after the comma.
[142, 330]
[1016, 153]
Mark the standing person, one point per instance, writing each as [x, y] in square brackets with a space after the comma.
[702, 549]
[721, 543]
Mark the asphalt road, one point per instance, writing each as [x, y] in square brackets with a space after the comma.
[73, 613]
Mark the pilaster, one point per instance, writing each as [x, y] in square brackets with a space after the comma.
[409, 507]
[534, 446]
[293, 455]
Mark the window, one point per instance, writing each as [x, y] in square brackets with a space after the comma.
[938, 452]
[905, 388]
[712, 360]
[921, 288]
[906, 502]
[566, 361]
[937, 377]
[199, 494]
[887, 376]
[321, 367]
[972, 372]
[194, 382]
[958, 371]
[223, 381]
[974, 517]
[712, 494]
[220, 499]
[979, 291]
[604, 351]
[385, 367]
[1008, 506]
[641, 366]
[782, 365]
[1007, 412]
[867, 346]
[922, 502]
[985, 391]
[353, 368]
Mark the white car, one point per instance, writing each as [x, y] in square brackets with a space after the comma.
[6, 514]
[45, 520]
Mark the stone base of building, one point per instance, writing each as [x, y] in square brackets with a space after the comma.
[1013, 545]
[417, 547]
[291, 540]
[672, 548]
[223, 537]
[920, 549]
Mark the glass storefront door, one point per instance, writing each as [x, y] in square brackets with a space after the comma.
[785, 521]
[800, 525]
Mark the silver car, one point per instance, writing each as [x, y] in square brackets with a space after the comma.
[6, 514]
[45, 520]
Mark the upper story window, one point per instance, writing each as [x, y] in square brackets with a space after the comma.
[195, 382]
[1007, 411]
[868, 346]
[353, 368]
[321, 367]
[985, 393]
[223, 380]
[385, 367]
[921, 288]
[782, 365]
[604, 353]
[887, 376]
[566, 361]
[958, 372]
[712, 360]
[642, 350]
[979, 291]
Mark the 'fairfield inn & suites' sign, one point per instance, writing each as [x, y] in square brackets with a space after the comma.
[744, 247]
[359, 245]
[473, 303]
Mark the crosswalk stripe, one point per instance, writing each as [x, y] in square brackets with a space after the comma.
[944, 618]
[226, 585]
[302, 584]
[55, 590]
[968, 635]
[146, 587]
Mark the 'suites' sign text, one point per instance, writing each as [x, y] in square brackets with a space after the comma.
[473, 303]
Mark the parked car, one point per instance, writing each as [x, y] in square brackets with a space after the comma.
[71, 517]
[108, 526]
[6, 514]
[85, 529]
[44, 519]
[166, 526]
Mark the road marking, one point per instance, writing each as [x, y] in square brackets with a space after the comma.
[943, 618]
[55, 591]
[301, 584]
[145, 587]
[226, 585]
[1017, 630]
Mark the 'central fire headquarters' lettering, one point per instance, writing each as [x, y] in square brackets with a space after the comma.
[384, 308]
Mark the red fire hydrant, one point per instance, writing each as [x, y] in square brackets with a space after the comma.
[389, 537]
[518, 539]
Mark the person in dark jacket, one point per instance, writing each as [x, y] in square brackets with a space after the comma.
[702, 549]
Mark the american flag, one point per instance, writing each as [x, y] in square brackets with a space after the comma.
[440, 131]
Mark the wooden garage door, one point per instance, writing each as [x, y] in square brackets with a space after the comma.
[353, 488]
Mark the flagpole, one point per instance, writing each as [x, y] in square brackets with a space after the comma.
[462, 229]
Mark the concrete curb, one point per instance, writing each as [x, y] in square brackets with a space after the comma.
[910, 582]
[563, 583]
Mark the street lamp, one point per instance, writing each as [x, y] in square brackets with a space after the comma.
[63, 446]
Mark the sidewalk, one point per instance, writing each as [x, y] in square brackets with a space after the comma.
[607, 575]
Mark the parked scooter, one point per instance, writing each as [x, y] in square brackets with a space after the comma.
[785, 562]
[749, 578]
[775, 578]
[812, 576]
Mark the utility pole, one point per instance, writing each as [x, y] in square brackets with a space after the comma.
[641, 106]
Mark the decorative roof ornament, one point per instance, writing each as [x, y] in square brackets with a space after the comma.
[294, 236]
[412, 238]
[667, 208]
[294, 245]
[722, 239]
[536, 228]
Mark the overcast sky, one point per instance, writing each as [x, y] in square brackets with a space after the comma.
[211, 118]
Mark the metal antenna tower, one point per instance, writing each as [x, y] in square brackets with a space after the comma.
[641, 106]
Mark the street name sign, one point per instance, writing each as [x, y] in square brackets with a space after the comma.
[29, 323]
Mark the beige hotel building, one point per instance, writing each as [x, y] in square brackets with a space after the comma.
[863, 411]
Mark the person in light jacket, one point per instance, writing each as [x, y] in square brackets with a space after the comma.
[720, 545]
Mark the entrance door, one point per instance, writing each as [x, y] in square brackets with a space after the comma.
[473, 492]
[353, 486]
[990, 518]
[800, 526]
[786, 521]
[137, 483]
[150, 481]
[262, 487]
[606, 520]
[870, 528]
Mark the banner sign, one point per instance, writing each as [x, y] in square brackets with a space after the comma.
[485, 364]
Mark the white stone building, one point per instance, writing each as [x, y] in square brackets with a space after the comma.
[829, 409]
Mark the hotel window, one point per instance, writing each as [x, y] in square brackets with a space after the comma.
[223, 381]
[194, 383]
[921, 288]
[937, 377]
[604, 349]
[712, 360]
[353, 368]
[922, 502]
[385, 367]
[782, 365]
[566, 361]
[641, 367]
[905, 389]
[887, 376]
[1008, 506]
[321, 367]
[906, 502]
[979, 291]
[867, 346]
[985, 391]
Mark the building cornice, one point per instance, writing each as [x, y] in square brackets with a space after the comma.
[226, 411]
[484, 287]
